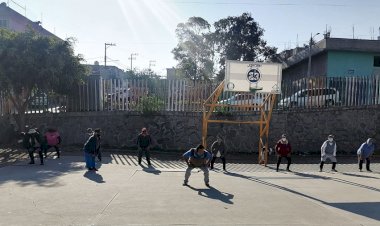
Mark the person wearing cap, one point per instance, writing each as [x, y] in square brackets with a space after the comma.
[218, 150]
[365, 152]
[328, 151]
[144, 141]
[32, 142]
[197, 158]
[283, 149]
[90, 148]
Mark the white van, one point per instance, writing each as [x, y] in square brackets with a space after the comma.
[316, 97]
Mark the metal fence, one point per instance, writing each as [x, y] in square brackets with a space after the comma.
[317, 92]
[97, 94]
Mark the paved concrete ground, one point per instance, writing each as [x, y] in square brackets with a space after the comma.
[62, 192]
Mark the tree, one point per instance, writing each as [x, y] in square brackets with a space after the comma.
[193, 50]
[29, 62]
[240, 38]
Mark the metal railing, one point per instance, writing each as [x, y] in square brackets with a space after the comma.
[188, 96]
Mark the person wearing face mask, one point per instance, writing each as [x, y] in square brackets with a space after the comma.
[328, 151]
[283, 149]
[218, 150]
[197, 158]
[365, 152]
[90, 149]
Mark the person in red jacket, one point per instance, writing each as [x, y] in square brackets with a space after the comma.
[283, 149]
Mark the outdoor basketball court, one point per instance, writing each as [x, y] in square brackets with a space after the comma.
[62, 192]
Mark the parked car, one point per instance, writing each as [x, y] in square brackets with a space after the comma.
[242, 99]
[311, 98]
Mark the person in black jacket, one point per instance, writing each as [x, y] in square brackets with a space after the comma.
[218, 150]
[32, 141]
[144, 141]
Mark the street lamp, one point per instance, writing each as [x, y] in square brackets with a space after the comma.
[310, 43]
[132, 58]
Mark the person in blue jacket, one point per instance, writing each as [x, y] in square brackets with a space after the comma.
[90, 149]
[365, 152]
[197, 158]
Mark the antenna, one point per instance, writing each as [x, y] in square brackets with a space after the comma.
[297, 41]
[378, 37]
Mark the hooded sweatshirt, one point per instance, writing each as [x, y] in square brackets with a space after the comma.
[366, 149]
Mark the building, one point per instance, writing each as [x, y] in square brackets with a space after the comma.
[333, 57]
[14, 21]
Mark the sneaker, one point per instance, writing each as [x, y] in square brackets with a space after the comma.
[276, 170]
[334, 170]
[94, 169]
[361, 170]
[369, 170]
[184, 183]
[207, 184]
[320, 170]
[288, 170]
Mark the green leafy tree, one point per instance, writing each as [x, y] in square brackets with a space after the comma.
[194, 52]
[240, 38]
[29, 61]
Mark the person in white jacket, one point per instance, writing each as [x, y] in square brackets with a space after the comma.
[328, 151]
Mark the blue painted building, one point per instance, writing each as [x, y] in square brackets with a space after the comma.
[335, 57]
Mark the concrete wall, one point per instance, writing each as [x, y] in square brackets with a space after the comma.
[306, 129]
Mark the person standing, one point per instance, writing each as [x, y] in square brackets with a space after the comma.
[52, 139]
[144, 141]
[218, 150]
[32, 142]
[365, 152]
[283, 149]
[90, 147]
[197, 158]
[328, 151]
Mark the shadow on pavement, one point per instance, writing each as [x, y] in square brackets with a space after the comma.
[45, 176]
[367, 209]
[151, 170]
[214, 193]
[92, 175]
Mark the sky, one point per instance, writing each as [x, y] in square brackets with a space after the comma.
[146, 28]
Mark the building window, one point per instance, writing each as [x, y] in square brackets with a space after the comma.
[376, 61]
[4, 23]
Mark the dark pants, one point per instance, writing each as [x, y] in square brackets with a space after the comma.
[31, 154]
[322, 163]
[223, 160]
[56, 149]
[367, 163]
[279, 161]
[147, 154]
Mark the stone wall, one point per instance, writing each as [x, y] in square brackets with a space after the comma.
[306, 129]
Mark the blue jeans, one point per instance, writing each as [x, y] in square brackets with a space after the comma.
[90, 160]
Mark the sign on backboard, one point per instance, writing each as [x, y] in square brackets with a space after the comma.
[246, 76]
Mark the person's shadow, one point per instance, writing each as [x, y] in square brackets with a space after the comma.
[91, 175]
[151, 169]
[214, 193]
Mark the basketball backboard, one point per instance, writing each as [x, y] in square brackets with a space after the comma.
[248, 76]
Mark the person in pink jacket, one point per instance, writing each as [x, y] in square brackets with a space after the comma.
[53, 139]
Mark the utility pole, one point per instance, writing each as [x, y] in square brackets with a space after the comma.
[106, 45]
[132, 58]
[309, 63]
[152, 63]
